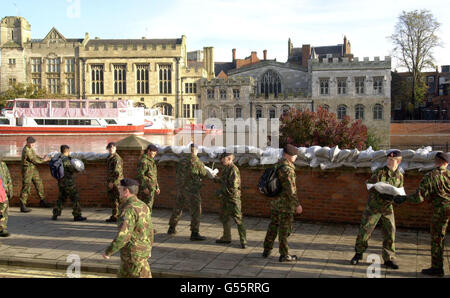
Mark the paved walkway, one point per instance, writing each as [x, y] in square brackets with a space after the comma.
[324, 250]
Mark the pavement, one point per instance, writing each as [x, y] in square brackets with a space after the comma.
[324, 249]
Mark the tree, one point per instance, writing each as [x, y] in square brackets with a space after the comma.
[401, 92]
[20, 90]
[414, 39]
[322, 128]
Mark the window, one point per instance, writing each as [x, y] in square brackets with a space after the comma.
[236, 93]
[259, 112]
[12, 81]
[285, 109]
[378, 112]
[70, 86]
[186, 111]
[324, 83]
[97, 105]
[341, 111]
[53, 65]
[53, 85]
[378, 85]
[36, 65]
[238, 112]
[326, 107]
[142, 85]
[37, 82]
[210, 93]
[97, 79]
[70, 65]
[12, 61]
[23, 104]
[271, 84]
[58, 104]
[40, 104]
[4, 121]
[120, 79]
[112, 104]
[223, 94]
[272, 113]
[225, 113]
[359, 112]
[359, 85]
[77, 104]
[190, 88]
[342, 86]
[165, 79]
[195, 108]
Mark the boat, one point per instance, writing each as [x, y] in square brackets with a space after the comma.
[25, 116]
[199, 128]
[157, 123]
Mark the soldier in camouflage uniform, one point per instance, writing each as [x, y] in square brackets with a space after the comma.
[189, 172]
[135, 236]
[230, 196]
[435, 187]
[379, 208]
[148, 176]
[4, 206]
[114, 168]
[30, 174]
[67, 188]
[283, 208]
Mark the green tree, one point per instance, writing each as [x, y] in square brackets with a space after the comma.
[20, 90]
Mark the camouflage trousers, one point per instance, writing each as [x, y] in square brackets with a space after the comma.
[30, 175]
[148, 199]
[71, 192]
[281, 224]
[113, 196]
[439, 223]
[195, 207]
[134, 267]
[4, 207]
[231, 208]
[371, 216]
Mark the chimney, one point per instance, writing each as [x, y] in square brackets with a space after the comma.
[234, 54]
[306, 54]
[265, 54]
[253, 57]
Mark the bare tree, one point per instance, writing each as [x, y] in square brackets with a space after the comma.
[414, 39]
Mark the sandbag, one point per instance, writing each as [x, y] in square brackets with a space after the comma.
[323, 153]
[328, 166]
[365, 155]
[77, 164]
[253, 162]
[421, 155]
[385, 188]
[334, 153]
[379, 155]
[343, 155]
[407, 154]
[301, 163]
[210, 173]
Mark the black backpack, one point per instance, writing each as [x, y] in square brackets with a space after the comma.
[56, 167]
[269, 184]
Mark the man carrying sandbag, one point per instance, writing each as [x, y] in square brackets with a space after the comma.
[379, 208]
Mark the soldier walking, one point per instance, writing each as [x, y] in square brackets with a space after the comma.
[67, 188]
[189, 172]
[282, 209]
[135, 236]
[230, 196]
[114, 173]
[6, 187]
[435, 187]
[30, 174]
[379, 208]
[148, 176]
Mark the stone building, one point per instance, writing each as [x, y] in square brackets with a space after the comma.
[155, 72]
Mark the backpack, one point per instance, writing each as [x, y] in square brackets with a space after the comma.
[2, 191]
[56, 167]
[269, 184]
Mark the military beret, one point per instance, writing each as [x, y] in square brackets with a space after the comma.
[128, 182]
[31, 140]
[194, 146]
[226, 154]
[394, 153]
[110, 144]
[290, 150]
[443, 156]
[152, 147]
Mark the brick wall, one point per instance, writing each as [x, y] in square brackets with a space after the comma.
[336, 195]
[419, 133]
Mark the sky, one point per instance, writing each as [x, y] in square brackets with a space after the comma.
[247, 25]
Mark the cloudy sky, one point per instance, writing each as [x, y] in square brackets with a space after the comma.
[247, 25]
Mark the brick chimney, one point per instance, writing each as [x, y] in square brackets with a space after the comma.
[234, 54]
[265, 54]
[253, 58]
[306, 54]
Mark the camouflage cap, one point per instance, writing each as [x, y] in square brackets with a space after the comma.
[152, 148]
[110, 144]
[128, 182]
[394, 153]
[442, 156]
[31, 140]
[290, 150]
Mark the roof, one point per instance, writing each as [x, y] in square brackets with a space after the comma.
[195, 64]
[101, 42]
[337, 50]
[223, 66]
[11, 44]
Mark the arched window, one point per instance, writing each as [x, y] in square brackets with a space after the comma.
[259, 112]
[166, 108]
[359, 112]
[378, 112]
[270, 84]
[272, 112]
[237, 112]
[341, 111]
[326, 107]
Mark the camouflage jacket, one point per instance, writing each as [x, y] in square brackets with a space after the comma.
[69, 170]
[6, 178]
[29, 158]
[435, 186]
[230, 181]
[190, 170]
[287, 200]
[114, 169]
[135, 230]
[394, 178]
[147, 173]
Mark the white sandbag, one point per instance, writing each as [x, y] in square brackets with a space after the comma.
[323, 153]
[365, 155]
[77, 164]
[167, 158]
[303, 154]
[421, 155]
[244, 160]
[253, 162]
[301, 163]
[205, 158]
[379, 155]
[312, 151]
[211, 173]
[343, 155]
[353, 156]
[334, 153]
[181, 149]
[269, 160]
[376, 165]
[314, 163]
[365, 164]
[329, 165]
[385, 188]
[404, 166]
[414, 165]
[349, 164]
[408, 154]
[427, 167]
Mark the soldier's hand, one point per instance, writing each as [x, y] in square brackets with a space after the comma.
[105, 256]
[158, 191]
[299, 209]
[47, 158]
[146, 191]
[110, 185]
[399, 199]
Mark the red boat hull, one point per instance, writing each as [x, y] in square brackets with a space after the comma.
[19, 130]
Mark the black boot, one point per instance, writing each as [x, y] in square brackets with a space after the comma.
[54, 217]
[79, 218]
[44, 204]
[288, 258]
[171, 231]
[24, 208]
[391, 264]
[266, 253]
[4, 234]
[111, 219]
[222, 241]
[243, 245]
[355, 260]
[433, 272]
[195, 236]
